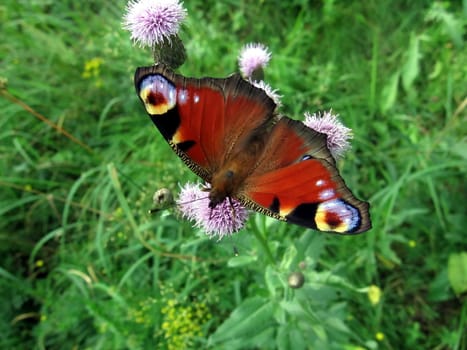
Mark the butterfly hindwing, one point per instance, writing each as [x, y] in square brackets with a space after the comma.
[296, 180]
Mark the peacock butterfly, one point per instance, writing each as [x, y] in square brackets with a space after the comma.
[227, 132]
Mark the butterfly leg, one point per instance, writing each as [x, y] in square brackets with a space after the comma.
[232, 207]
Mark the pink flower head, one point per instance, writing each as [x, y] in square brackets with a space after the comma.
[223, 220]
[253, 57]
[272, 93]
[338, 135]
[152, 21]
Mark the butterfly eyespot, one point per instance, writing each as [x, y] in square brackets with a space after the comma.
[158, 94]
[337, 216]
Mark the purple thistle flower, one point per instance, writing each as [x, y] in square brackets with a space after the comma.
[190, 197]
[224, 220]
[272, 93]
[153, 21]
[338, 135]
[252, 59]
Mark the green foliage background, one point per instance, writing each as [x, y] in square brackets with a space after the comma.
[83, 266]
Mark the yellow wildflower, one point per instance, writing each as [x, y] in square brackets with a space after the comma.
[118, 213]
[182, 323]
[92, 68]
[374, 294]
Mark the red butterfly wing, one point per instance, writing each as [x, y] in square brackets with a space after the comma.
[296, 180]
[202, 119]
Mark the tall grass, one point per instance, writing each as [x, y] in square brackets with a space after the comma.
[84, 266]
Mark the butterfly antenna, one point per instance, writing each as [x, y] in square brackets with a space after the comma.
[232, 207]
[160, 205]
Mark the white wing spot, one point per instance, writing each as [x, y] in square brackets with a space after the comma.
[326, 195]
[182, 96]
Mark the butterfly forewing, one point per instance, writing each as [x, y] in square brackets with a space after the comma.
[202, 119]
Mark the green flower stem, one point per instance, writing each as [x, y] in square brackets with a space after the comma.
[264, 245]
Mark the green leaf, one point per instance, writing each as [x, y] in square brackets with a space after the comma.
[439, 287]
[451, 25]
[411, 68]
[389, 93]
[288, 258]
[253, 316]
[290, 338]
[273, 280]
[241, 261]
[457, 272]
[459, 148]
[294, 309]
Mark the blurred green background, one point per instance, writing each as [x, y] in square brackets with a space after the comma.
[83, 266]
